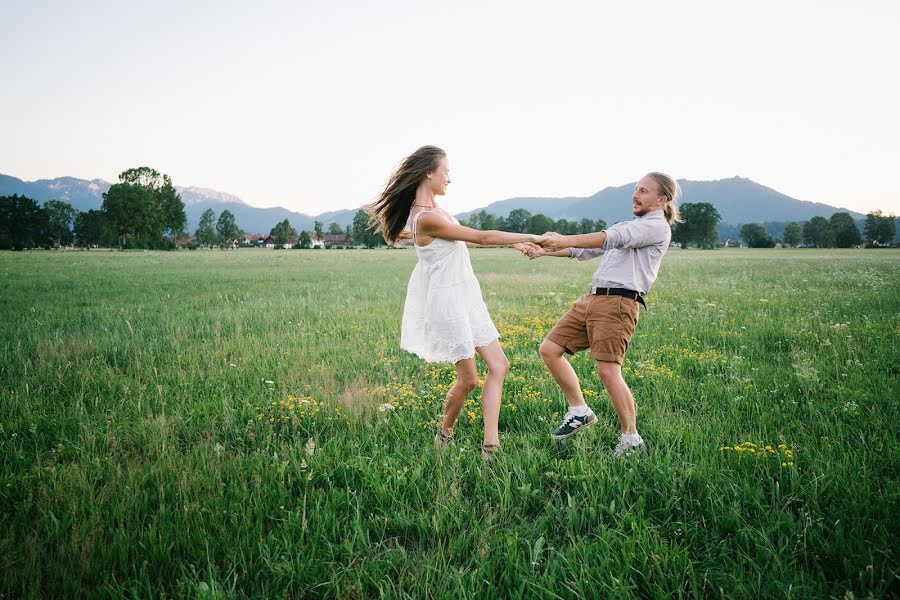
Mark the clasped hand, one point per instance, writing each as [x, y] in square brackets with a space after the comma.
[549, 242]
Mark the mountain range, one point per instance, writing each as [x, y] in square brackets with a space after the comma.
[738, 200]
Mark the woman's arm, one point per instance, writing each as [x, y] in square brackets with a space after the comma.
[436, 226]
[554, 241]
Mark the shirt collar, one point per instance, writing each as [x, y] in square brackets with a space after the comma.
[653, 214]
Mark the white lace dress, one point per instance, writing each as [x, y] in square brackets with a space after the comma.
[444, 316]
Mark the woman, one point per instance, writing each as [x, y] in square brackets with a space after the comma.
[444, 316]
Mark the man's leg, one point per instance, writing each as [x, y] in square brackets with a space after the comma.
[579, 416]
[620, 394]
[562, 371]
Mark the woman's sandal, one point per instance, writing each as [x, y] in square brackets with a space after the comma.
[443, 440]
[489, 451]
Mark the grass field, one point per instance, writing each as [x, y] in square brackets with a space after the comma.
[214, 424]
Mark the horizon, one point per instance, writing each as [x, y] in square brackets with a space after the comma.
[467, 211]
[528, 100]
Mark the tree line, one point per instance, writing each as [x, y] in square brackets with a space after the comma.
[143, 210]
[699, 228]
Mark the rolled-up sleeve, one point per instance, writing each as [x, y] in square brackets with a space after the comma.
[586, 253]
[635, 234]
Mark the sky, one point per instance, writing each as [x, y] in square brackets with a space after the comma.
[310, 105]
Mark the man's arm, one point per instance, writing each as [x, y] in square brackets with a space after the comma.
[555, 242]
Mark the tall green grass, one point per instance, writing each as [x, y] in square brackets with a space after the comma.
[231, 424]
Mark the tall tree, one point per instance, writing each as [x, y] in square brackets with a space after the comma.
[517, 221]
[22, 223]
[282, 232]
[817, 232]
[698, 226]
[566, 227]
[206, 230]
[91, 229]
[305, 240]
[334, 228]
[362, 234]
[792, 234]
[317, 227]
[143, 207]
[226, 228]
[846, 233]
[538, 224]
[60, 217]
[880, 229]
[586, 225]
[756, 236]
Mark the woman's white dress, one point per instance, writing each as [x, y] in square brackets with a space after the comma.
[444, 316]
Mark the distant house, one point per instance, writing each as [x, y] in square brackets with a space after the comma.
[315, 242]
[268, 242]
[252, 239]
[184, 241]
[336, 240]
[291, 243]
[731, 244]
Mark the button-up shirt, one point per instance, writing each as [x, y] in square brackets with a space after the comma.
[634, 251]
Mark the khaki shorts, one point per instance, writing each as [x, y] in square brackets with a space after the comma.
[602, 323]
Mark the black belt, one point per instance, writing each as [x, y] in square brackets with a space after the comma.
[636, 296]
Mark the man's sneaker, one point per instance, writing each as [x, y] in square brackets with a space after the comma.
[572, 424]
[442, 440]
[624, 448]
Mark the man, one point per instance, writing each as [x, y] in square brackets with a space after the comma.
[604, 319]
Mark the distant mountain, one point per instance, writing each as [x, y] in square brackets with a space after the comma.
[88, 195]
[737, 199]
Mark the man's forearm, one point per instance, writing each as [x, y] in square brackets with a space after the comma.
[586, 240]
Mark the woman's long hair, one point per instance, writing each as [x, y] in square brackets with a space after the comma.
[390, 211]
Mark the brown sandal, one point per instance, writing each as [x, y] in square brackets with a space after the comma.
[489, 451]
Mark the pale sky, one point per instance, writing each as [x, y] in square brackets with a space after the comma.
[310, 105]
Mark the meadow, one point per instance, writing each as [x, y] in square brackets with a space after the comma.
[243, 424]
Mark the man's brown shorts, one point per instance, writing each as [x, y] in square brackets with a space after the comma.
[602, 323]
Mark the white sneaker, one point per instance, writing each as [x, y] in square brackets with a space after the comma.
[624, 448]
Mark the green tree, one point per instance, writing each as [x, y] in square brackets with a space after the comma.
[143, 207]
[756, 236]
[362, 234]
[792, 234]
[335, 229]
[566, 227]
[317, 227]
[282, 233]
[586, 225]
[305, 240]
[206, 230]
[817, 232]
[483, 220]
[22, 223]
[60, 217]
[699, 225]
[880, 229]
[538, 224]
[226, 228]
[846, 233]
[91, 229]
[517, 221]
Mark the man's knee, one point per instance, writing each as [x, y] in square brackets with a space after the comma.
[609, 371]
